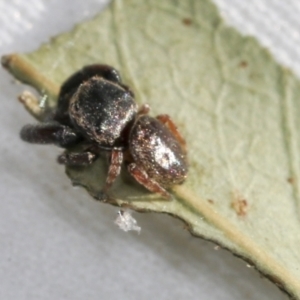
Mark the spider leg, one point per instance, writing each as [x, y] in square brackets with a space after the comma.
[32, 105]
[37, 107]
[80, 159]
[50, 133]
[142, 177]
[166, 120]
[114, 168]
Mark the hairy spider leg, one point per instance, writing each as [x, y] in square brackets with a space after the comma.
[166, 120]
[142, 177]
[114, 169]
[77, 159]
[50, 133]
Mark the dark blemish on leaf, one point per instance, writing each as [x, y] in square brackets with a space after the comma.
[243, 64]
[239, 204]
[210, 201]
[290, 180]
[187, 21]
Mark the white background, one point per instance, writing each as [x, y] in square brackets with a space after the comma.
[56, 242]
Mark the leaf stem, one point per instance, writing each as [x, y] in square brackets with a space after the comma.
[264, 262]
[28, 74]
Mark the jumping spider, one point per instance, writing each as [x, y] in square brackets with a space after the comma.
[96, 108]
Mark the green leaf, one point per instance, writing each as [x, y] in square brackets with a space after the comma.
[234, 104]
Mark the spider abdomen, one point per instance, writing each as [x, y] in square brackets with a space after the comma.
[157, 151]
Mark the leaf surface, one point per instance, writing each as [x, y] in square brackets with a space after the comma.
[236, 107]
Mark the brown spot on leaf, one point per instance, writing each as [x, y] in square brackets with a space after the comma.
[290, 180]
[187, 21]
[210, 201]
[243, 64]
[239, 204]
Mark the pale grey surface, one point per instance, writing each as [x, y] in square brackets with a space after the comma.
[56, 242]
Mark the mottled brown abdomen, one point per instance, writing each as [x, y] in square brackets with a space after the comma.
[155, 149]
